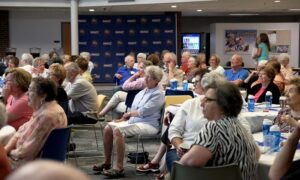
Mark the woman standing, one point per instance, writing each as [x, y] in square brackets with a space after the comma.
[263, 49]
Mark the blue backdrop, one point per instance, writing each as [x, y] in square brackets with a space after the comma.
[110, 38]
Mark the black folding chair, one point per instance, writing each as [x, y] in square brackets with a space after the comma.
[170, 92]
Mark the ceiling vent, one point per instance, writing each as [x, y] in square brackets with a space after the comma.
[120, 1]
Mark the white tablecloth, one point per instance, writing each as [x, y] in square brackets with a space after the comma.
[266, 160]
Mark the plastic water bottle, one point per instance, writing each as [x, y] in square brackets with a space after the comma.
[185, 85]
[269, 100]
[267, 123]
[251, 103]
[275, 131]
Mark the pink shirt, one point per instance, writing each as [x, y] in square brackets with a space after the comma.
[134, 85]
[32, 135]
[259, 93]
[19, 108]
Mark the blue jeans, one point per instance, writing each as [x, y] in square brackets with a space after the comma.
[171, 156]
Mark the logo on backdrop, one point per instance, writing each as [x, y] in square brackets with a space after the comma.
[169, 31]
[106, 21]
[107, 76]
[120, 43]
[131, 31]
[143, 20]
[106, 32]
[144, 42]
[120, 54]
[131, 20]
[168, 20]
[107, 54]
[108, 43]
[156, 31]
[156, 42]
[82, 32]
[169, 42]
[82, 43]
[107, 65]
[82, 20]
[119, 21]
[94, 32]
[94, 21]
[95, 54]
[94, 43]
[144, 31]
[132, 43]
[156, 20]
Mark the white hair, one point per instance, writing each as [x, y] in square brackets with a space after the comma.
[127, 58]
[212, 79]
[86, 55]
[142, 55]
[26, 58]
[283, 56]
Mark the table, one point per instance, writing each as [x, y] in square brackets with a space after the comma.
[266, 160]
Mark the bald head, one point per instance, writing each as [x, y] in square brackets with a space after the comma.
[47, 170]
[236, 61]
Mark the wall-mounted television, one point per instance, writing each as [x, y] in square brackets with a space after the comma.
[191, 42]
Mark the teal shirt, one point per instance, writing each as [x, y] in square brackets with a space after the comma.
[264, 55]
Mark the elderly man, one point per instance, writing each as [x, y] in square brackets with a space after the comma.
[26, 62]
[87, 56]
[171, 72]
[82, 97]
[236, 74]
[184, 61]
[125, 71]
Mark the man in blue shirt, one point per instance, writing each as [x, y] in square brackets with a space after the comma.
[236, 74]
[125, 71]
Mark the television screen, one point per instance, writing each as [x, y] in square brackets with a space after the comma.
[191, 43]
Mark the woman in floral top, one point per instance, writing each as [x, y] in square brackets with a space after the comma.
[47, 115]
[293, 102]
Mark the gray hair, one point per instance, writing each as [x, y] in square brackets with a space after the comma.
[37, 60]
[72, 66]
[3, 115]
[27, 58]
[146, 63]
[127, 58]
[283, 56]
[86, 55]
[154, 72]
[172, 56]
[142, 55]
[210, 80]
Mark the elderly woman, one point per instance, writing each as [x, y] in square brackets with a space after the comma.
[279, 78]
[293, 102]
[285, 70]
[5, 167]
[57, 73]
[265, 78]
[39, 68]
[84, 72]
[15, 97]
[143, 119]
[47, 115]
[135, 82]
[214, 62]
[223, 140]
[12, 62]
[192, 66]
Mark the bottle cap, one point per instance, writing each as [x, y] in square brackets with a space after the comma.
[283, 98]
[267, 122]
[274, 128]
[268, 93]
[185, 81]
[250, 96]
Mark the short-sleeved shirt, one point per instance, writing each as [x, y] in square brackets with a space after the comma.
[230, 143]
[241, 74]
[264, 55]
[126, 73]
[20, 108]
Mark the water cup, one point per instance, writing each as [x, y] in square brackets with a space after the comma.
[275, 132]
[269, 143]
[173, 83]
[185, 85]
[282, 102]
[267, 123]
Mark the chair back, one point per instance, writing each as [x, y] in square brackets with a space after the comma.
[55, 147]
[130, 97]
[101, 101]
[64, 105]
[170, 92]
[230, 171]
[179, 99]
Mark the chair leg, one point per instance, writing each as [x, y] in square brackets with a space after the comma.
[96, 137]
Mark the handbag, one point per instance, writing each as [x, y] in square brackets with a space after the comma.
[138, 157]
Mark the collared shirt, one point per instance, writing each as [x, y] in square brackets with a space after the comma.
[241, 74]
[134, 85]
[148, 103]
[126, 73]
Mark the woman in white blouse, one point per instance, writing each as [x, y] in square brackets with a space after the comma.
[214, 62]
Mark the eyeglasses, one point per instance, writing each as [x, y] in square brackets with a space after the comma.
[207, 99]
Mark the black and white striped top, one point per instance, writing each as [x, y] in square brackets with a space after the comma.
[230, 143]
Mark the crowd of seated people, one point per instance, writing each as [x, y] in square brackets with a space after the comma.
[81, 97]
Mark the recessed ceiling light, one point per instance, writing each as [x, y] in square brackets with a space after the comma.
[294, 9]
[244, 14]
[277, 1]
[91, 10]
[199, 10]
[173, 6]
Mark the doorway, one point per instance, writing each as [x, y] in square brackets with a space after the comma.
[66, 37]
